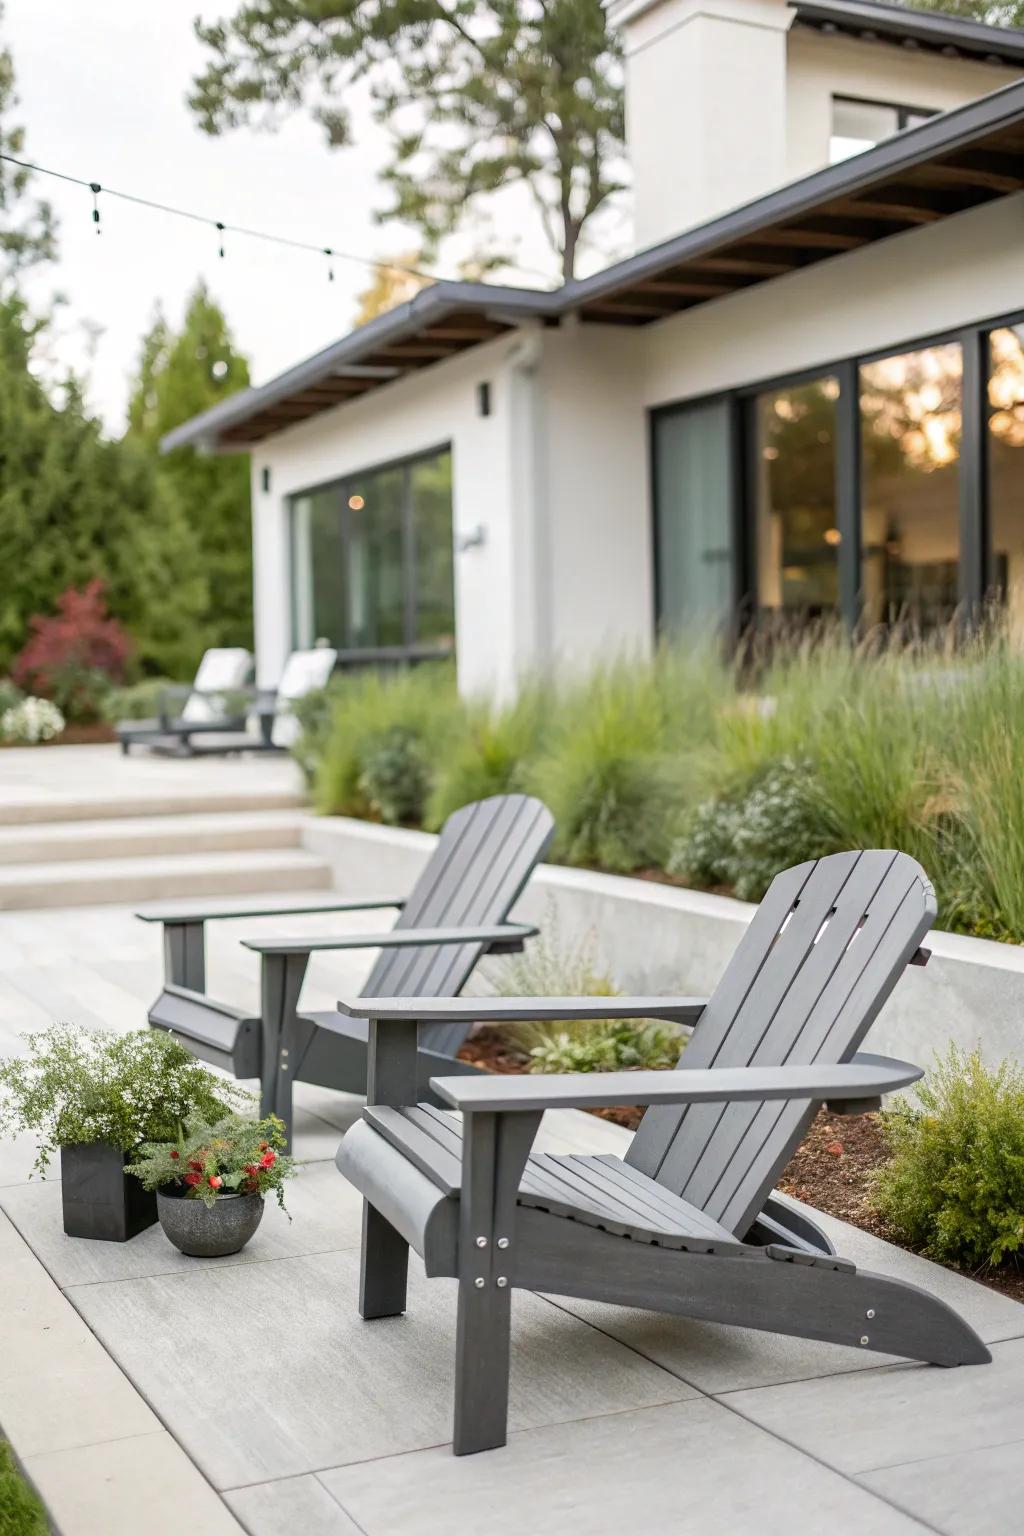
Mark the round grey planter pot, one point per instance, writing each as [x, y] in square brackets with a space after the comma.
[209, 1234]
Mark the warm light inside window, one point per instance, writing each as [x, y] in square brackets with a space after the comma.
[356, 503]
[833, 536]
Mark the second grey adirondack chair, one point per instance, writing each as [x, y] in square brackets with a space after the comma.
[687, 1222]
[456, 912]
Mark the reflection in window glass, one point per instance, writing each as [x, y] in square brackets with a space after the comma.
[375, 558]
[797, 538]
[318, 590]
[431, 485]
[1006, 467]
[910, 431]
[693, 477]
[372, 558]
[860, 125]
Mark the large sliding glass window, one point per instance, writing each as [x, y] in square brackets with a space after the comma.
[372, 559]
[694, 498]
[1006, 468]
[797, 537]
[887, 490]
[910, 412]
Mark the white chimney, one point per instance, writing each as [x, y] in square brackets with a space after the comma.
[705, 106]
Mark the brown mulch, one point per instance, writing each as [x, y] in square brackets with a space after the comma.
[75, 736]
[830, 1169]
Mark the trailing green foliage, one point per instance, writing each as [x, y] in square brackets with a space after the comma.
[225, 1156]
[74, 1085]
[21, 1509]
[10, 694]
[722, 774]
[954, 1186]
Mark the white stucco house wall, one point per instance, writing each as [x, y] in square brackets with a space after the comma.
[804, 394]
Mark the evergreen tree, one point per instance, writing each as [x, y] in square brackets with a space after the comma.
[75, 506]
[179, 376]
[479, 95]
[27, 228]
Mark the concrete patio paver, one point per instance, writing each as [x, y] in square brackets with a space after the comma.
[338, 1390]
[966, 1493]
[689, 1468]
[299, 1504]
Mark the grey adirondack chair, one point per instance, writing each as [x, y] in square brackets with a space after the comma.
[687, 1222]
[456, 912]
[194, 707]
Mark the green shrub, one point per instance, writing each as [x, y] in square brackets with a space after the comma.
[394, 775]
[743, 841]
[365, 707]
[314, 713]
[21, 1510]
[139, 701]
[955, 1184]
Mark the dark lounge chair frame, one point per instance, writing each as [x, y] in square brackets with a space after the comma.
[687, 1223]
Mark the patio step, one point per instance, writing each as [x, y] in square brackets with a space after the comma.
[67, 806]
[142, 836]
[91, 881]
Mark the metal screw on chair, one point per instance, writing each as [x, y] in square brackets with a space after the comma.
[870, 1312]
[864, 1339]
[502, 1242]
[501, 1281]
[481, 1242]
[479, 1282]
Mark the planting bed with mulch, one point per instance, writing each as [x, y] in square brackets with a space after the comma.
[830, 1170]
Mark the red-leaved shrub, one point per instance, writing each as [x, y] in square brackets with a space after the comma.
[75, 655]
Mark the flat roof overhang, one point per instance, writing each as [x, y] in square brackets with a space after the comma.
[954, 162]
[933, 31]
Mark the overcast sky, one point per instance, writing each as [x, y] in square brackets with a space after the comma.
[102, 87]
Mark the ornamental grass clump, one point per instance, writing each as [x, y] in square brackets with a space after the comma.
[75, 1086]
[954, 1186]
[227, 1156]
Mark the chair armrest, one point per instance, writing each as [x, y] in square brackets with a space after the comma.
[515, 1010]
[495, 935]
[864, 1077]
[171, 912]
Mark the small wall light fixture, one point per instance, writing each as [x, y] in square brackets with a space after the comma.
[473, 538]
[483, 398]
[265, 478]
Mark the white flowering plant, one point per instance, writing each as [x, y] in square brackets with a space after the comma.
[31, 721]
[80, 1086]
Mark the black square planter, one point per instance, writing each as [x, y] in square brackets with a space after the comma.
[100, 1199]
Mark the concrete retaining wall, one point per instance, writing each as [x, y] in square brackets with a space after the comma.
[655, 938]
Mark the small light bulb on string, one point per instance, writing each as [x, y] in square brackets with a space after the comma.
[330, 263]
[220, 240]
[96, 189]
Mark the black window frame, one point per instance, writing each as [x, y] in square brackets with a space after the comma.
[904, 111]
[975, 562]
[411, 649]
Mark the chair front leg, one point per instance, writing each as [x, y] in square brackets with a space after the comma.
[384, 1259]
[281, 983]
[494, 1152]
[185, 955]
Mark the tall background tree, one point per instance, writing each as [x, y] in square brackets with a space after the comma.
[28, 233]
[479, 95]
[75, 506]
[179, 375]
